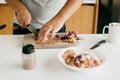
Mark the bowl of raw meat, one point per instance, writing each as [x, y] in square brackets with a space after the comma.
[79, 59]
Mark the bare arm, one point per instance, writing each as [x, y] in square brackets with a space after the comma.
[16, 4]
[70, 7]
[57, 22]
[23, 15]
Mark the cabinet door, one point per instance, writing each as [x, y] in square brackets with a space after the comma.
[6, 17]
[84, 21]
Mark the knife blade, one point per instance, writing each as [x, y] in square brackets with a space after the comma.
[33, 30]
[98, 44]
[2, 26]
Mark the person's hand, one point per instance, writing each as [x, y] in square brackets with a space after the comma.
[23, 16]
[50, 28]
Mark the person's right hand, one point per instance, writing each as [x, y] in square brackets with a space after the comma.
[23, 16]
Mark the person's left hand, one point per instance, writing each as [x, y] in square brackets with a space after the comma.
[50, 28]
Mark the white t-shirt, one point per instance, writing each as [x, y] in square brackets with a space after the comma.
[43, 10]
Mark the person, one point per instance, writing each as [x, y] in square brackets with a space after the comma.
[47, 15]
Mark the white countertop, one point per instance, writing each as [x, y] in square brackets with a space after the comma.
[49, 68]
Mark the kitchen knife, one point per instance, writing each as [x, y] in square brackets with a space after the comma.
[2, 26]
[98, 44]
[33, 30]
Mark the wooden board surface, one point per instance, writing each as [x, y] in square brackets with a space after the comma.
[29, 39]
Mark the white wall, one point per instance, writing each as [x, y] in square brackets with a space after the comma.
[2, 1]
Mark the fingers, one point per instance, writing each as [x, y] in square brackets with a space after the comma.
[27, 21]
[43, 34]
[20, 20]
[53, 33]
[50, 29]
[24, 21]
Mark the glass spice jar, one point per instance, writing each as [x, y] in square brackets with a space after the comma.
[28, 57]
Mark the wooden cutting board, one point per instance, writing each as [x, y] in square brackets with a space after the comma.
[29, 39]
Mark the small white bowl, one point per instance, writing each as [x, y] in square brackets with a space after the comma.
[79, 50]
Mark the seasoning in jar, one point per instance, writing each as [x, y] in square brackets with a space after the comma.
[28, 57]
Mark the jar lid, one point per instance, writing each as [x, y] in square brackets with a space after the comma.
[28, 49]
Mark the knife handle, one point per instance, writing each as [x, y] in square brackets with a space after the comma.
[2, 26]
[102, 42]
[27, 25]
[98, 44]
[33, 30]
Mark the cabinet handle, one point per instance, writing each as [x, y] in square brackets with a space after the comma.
[2, 26]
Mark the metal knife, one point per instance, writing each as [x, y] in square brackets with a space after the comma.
[98, 44]
[33, 30]
[2, 26]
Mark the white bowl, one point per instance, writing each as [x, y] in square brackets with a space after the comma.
[79, 50]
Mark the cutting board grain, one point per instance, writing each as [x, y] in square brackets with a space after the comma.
[29, 39]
